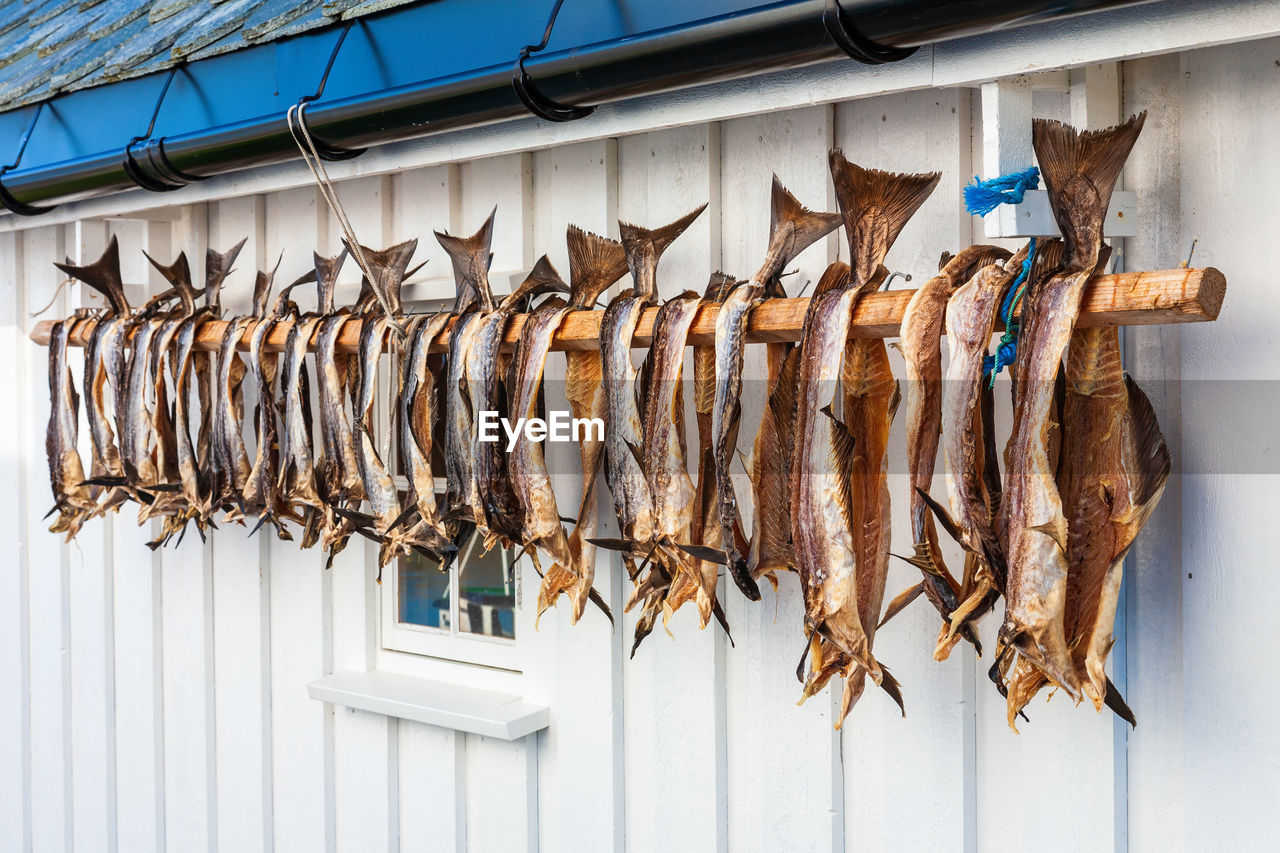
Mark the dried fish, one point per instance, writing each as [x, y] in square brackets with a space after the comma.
[595, 263]
[792, 229]
[665, 460]
[967, 439]
[624, 393]
[72, 499]
[1113, 469]
[418, 417]
[474, 302]
[839, 492]
[922, 351]
[1080, 171]
[106, 468]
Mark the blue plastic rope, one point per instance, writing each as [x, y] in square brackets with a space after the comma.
[982, 197]
[1007, 349]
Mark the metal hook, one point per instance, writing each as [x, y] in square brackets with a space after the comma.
[537, 103]
[855, 44]
[906, 276]
[325, 150]
[149, 167]
[6, 197]
[1191, 253]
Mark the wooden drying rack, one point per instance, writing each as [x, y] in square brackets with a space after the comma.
[1116, 299]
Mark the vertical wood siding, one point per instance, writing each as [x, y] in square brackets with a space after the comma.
[158, 701]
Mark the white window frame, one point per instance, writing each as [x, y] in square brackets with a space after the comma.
[453, 645]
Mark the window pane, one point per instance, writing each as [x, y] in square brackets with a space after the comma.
[424, 593]
[487, 596]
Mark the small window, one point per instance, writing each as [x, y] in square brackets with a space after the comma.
[465, 613]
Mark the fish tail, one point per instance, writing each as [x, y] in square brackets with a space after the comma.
[217, 267]
[471, 257]
[595, 262]
[644, 248]
[876, 206]
[326, 272]
[103, 275]
[792, 229]
[1080, 169]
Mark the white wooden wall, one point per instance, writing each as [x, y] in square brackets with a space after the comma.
[158, 701]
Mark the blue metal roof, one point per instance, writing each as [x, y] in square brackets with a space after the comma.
[99, 64]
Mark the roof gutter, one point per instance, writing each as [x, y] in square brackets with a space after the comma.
[770, 38]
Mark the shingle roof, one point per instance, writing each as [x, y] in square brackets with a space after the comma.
[53, 46]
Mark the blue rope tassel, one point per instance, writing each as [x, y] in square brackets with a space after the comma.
[1007, 349]
[982, 197]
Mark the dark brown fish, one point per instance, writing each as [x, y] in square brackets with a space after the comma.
[625, 392]
[379, 489]
[338, 470]
[230, 457]
[665, 457]
[1114, 467]
[1080, 171]
[595, 263]
[792, 229]
[103, 275]
[474, 302]
[418, 418]
[217, 267]
[921, 347]
[968, 440]
[72, 499]
[540, 514]
[840, 500]
[260, 496]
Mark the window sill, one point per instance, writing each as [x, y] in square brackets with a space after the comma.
[451, 706]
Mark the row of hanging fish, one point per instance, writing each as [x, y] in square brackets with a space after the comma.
[1083, 469]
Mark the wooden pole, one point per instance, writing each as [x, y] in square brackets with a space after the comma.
[1117, 299]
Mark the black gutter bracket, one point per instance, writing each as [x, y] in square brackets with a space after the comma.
[855, 44]
[6, 197]
[330, 153]
[537, 103]
[149, 167]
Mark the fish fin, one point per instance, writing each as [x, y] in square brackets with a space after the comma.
[943, 516]
[1056, 529]
[624, 545]
[1080, 169]
[900, 602]
[1152, 453]
[876, 206]
[1116, 703]
[596, 599]
[595, 263]
[718, 612]
[792, 229]
[890, 685]
[702, 552]
[471, 257]
[718, 286]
